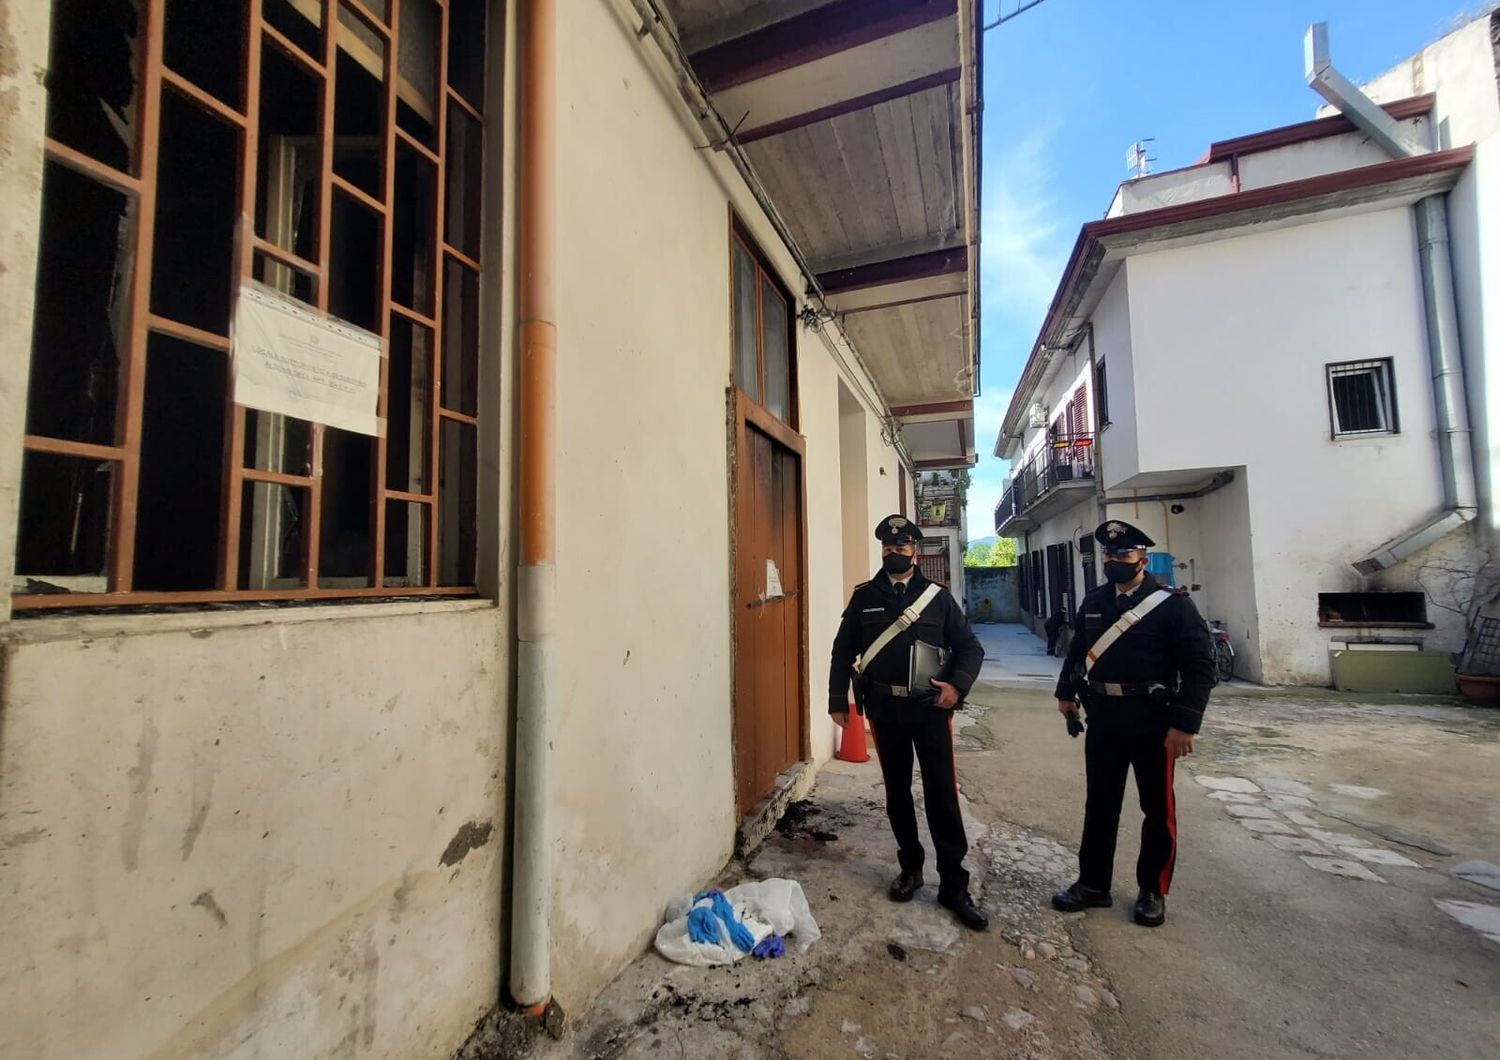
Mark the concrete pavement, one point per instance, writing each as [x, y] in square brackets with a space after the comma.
[1315, 911]
[1283, 939]
[1015, 655]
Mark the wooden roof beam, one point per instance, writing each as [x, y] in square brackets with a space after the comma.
[813, 35]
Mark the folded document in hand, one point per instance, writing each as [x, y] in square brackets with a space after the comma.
[927, 661]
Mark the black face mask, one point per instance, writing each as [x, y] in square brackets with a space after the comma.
[896, 563]
[1119, 572]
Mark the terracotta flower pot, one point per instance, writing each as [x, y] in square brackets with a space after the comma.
[1480, 690]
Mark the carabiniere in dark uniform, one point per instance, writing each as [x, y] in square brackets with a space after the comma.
[910, 720]
[1144, 697]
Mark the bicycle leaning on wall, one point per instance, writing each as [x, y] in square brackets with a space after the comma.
[1223, 650]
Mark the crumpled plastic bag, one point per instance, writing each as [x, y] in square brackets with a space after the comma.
[766, 907]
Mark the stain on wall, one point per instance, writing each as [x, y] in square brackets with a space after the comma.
[471, 836]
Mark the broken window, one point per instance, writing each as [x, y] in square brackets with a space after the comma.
[357, 173]
[91, 79]
[1362, 398]
[81, 312]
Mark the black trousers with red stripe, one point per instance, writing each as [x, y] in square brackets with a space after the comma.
[930, 741]
[1109, 752]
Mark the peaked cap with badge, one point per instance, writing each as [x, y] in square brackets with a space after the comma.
[1113, 533]
[893, 527]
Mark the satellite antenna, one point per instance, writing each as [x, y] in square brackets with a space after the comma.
[1138, 158]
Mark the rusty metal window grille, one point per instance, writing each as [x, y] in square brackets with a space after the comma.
[765, 362]
[1362, 398]
[935, 566]
[329, 149]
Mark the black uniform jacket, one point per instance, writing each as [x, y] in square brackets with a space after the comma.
[873, 606]
[1170, 646]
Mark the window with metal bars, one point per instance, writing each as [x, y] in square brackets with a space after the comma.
[1362, 398]
[328, 150]
[934, 565]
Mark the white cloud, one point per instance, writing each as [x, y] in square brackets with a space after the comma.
[1026, 238]
[1024, 241]
[987, 480]
[989, 411]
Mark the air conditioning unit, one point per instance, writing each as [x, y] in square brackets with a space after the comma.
[1038, 415]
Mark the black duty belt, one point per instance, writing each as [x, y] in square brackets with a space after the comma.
[899, 691]
[1125, 688]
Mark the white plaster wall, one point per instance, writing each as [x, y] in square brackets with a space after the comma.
[1460, 69]
[854, 483]
[1113, 344]
[884, 490]
[1179, 535]
[1228, 560]
[1315, 158]
[1172, 188]
[24, 30]
[250, 835]
[643, 802]
[824, 579]
[1232, 337]
[643, 775]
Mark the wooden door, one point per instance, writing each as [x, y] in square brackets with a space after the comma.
[768, 610]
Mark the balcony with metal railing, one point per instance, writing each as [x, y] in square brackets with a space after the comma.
[1055, 478]
[939, 500]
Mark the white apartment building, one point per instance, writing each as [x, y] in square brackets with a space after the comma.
[1238, 359]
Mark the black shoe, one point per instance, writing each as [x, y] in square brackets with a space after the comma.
[1150, 909]
[1078, 896]
[905, 885]
[963, 907]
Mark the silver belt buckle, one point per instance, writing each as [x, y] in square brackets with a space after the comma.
[898, 690]
[1113, 688]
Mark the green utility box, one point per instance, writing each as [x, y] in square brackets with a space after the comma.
[1396, 668]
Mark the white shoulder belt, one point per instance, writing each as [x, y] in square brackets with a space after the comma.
[896, 628]
[1122, 626]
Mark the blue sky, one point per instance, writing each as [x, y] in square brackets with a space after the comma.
[1069, 85]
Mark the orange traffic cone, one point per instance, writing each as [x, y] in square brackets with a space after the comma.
[852, 744]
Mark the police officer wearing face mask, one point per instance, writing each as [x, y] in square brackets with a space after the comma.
[1145, 693]
[909, 715]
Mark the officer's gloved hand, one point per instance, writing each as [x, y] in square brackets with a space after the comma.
[925, 697]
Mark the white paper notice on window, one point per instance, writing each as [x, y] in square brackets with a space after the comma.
[773, 581]
[291, 360]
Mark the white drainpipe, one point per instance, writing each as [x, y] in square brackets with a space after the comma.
[1455, 444]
